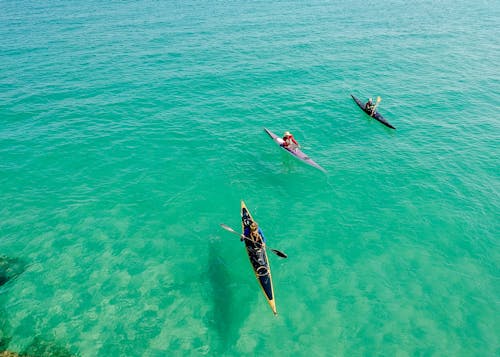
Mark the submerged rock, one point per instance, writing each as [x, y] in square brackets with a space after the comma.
[37, 348]
[5, 329]
[8, 354]
[10, 268]
[42, 348]
[4, 342]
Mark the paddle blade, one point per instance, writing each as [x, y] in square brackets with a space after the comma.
[279, 254]
[227, 228]
[379, 99]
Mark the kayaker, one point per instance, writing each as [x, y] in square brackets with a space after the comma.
[369, 106]
[289, 141]
[255, 234]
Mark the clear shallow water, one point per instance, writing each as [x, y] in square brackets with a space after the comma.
[129, 131]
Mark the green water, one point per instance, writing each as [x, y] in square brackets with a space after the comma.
[130, 130]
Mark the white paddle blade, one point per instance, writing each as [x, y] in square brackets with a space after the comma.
[227, 228]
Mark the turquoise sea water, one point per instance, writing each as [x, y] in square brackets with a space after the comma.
[129, 130]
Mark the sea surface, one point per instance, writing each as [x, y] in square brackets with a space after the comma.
[130, 130]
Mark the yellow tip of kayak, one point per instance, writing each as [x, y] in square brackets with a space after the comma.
[273, 306]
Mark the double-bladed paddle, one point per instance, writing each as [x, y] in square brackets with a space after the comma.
[275, 251]
[376, 105]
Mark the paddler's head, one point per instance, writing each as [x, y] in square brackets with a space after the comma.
[287, 134]
[254, 227]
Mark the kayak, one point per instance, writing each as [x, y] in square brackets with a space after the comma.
[299, 154]
[375, 115]
[258, 258]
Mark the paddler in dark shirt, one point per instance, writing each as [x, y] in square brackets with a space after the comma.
[369, 106]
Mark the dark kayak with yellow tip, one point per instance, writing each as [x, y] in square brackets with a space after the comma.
[258, 257]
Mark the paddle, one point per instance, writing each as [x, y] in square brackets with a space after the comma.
[375, 106]
[275, 251]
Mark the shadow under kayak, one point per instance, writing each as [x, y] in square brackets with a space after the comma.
[375, 115]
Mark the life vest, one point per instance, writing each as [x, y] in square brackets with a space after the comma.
[256, 236]
[290, 141]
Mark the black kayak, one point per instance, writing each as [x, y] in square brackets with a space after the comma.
[375, 115]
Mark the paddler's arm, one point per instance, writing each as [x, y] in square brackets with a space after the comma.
[246, 234]
[295, 142]
[262, 235]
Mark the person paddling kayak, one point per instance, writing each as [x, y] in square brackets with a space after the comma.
[370, 106]
[254, 233]
[289, 141]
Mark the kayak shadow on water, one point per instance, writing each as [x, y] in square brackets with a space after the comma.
[225, 314]
[289, 163]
